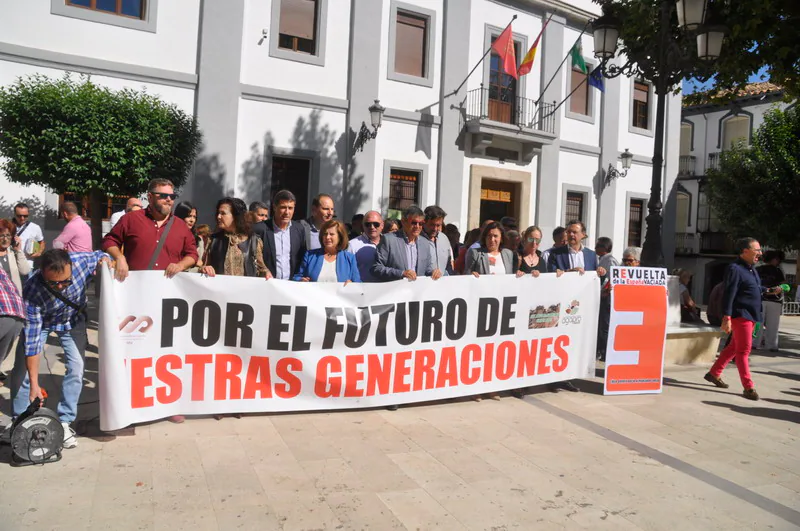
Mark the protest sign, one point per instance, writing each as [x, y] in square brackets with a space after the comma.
[637, 332]
[198, 345]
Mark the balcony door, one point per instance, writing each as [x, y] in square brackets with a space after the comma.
[502, 90]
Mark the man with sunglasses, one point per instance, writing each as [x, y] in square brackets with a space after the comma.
[152, 239]
[403, 254]
[55, 297]
[28, 232]
[365, 246]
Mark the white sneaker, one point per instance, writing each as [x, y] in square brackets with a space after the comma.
[70, 439]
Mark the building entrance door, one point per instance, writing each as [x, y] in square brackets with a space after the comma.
[293, 174]
[499, 199]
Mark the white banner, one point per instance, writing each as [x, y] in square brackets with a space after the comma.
[198, 345]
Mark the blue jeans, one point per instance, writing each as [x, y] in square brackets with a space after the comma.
[74, 344]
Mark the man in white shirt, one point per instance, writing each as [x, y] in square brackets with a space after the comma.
[29, 233]
[134, 203]
[432, 231]
[365, 247]
[559, 240]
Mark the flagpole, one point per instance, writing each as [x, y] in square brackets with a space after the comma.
[481, 59]
[562, 64]
[570, 94]
[538, 37]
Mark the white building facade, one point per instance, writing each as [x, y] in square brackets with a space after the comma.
[702, 244]
[280, 89]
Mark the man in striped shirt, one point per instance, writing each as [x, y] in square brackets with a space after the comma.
[55, 297]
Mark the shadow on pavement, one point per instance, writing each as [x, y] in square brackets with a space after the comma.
[791, 403]
[763, 412]
[792, 393]
[787, 375]
[697, 386]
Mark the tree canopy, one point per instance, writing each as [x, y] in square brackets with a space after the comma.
[71, 135]
[759, 33]
[756, 190]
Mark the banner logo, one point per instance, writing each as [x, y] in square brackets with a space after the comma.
[572, 310]
[133, 327]
[544, 317]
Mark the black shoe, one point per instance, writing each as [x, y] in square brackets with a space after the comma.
[569, 386]
[3, 376]
[771, 350]
[750, 394]
[392, 407]
[518, 393]
[716, 381]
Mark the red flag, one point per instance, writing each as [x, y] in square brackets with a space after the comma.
[504, 47]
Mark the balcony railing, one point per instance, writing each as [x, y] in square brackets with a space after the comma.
[686, 165]
[685, 243]
[713, 161]
[522, 112]
[716, 243]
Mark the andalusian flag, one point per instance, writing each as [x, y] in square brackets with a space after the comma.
[577, 57]
[527, 62]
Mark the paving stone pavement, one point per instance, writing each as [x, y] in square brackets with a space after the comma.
[695, 457]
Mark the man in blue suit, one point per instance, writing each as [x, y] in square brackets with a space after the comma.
[403, 254]
[573, 257]
[284, 241]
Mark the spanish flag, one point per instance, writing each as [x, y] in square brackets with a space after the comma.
[527, 62]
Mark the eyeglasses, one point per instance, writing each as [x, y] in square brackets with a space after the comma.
[416, 223]
[59, 283]
[5, 236]
[534, 240]
[159, 195]
[372, 224]
[757, 251]
[629, 260]
[23, 216]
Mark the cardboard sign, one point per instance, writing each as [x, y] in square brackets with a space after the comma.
[637, 333]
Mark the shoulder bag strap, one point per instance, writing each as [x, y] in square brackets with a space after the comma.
[161, 243]
[60, 296]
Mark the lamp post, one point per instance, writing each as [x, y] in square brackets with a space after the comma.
[663, 62]
[376, 111]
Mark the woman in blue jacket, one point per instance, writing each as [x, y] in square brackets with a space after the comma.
[331, 263]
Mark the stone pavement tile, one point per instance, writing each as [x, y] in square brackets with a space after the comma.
[289, 476]
[302, 510]
[304, 441]
[657, 516]
[521, 507]
[249, 511]
[228, 471]
[261, 450]
[426, 435]
[601, 519]
[196, 518]
[362, 510]
[426, 471]
[372, 464]
[739, 468]
[702, 441]
[657, 442]
[780, 494]
[466, 464]
[332, 475]
[417, 510]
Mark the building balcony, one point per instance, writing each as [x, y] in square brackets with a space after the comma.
[716, 243]
[685, 243]
[713, 161]
[518, 120]
[686, 166]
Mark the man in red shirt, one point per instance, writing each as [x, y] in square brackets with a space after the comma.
[136, 243]
[134, 240]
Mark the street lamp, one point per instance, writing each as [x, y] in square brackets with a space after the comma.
[660, 62]
[376, 111]
[613, 173]
[691, 13]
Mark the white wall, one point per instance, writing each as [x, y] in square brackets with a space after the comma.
[172, 47]
[258, 68]
[285, 127]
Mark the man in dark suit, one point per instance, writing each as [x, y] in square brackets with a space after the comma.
[284, 241]
[573, 257]
[403, 254]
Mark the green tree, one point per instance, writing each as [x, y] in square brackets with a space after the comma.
[756, 190]
[71, 135]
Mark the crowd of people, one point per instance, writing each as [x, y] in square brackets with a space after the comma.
[256, 241]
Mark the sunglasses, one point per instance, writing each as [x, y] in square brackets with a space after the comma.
[534, 240]
[629, 260]
[58, 283]
[416, 223]
[23, 216]
[158, 195]
[372, 224]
